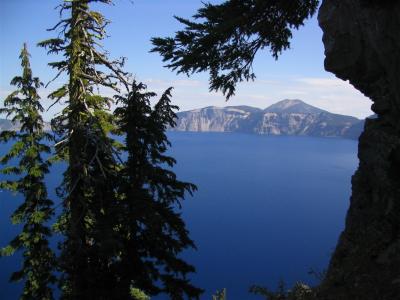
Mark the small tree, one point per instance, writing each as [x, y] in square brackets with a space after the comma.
[300, 291]
[152, 231]
[220, 295]
[24, 107]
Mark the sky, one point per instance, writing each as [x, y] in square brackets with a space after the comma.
[297, 74]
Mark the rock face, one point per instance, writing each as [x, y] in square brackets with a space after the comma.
[287, 117]
[6, 124]
[215, 119]
[362, 45]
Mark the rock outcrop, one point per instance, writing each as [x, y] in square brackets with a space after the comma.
[6, 124]
[287, 117]
[362, 45]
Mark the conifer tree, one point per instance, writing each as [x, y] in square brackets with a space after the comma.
[25, 161]
[153, 231]
[83, 126]
[111, 245]
[226, 39]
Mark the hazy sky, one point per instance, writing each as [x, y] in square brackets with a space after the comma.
[298, 74]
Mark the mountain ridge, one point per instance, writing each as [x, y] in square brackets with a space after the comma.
[286, 117]
[6, 124]
[293, 106]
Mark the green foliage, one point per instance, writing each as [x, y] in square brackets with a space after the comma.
[24, 108]
[220, 295]
[300, 291]
[149, 196]
[138, 294]
[228, 37]
[120, 219]
[83, 128]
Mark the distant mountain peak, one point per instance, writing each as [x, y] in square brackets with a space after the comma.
[290, 102]
[293, 106]
[286, 117]
[245, 109]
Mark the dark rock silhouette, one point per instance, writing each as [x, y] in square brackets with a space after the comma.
[362, 45]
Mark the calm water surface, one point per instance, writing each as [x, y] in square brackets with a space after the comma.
[267, 208]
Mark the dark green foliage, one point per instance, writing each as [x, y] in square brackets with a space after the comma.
[152, 231]
[88, 189]
[228, 36]
[25, 161]
[138, 294]
[220, 295]
[122, 232]
[299, 291]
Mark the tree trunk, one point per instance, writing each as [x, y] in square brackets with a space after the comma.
[77, 268]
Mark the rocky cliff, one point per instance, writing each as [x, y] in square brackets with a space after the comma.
[6, 124]
[287, 117]
[362, 45]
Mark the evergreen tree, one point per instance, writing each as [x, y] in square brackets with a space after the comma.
[229, 36]
[83, 127]
[121, 230]
[26, 163]
[153, 232]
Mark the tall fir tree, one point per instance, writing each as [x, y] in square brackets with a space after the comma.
[25, 161]
[153, 232]
[87, 191]
[105, 252]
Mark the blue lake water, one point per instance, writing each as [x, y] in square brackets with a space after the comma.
[267, 208]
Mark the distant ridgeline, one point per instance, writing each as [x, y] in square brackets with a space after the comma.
[6, 124]
[287, 117]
